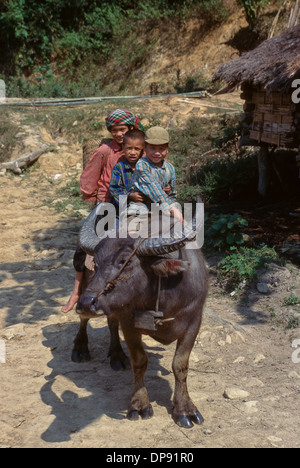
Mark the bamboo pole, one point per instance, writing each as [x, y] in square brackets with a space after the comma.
[273, 27]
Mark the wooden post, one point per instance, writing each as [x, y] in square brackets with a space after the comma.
[293, 21]
[298, 161]
[264, 167]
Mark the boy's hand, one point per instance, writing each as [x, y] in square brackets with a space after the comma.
[137, 197]
[177, 214]
[168, 189]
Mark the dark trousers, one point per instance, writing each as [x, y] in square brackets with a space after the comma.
[79, 259]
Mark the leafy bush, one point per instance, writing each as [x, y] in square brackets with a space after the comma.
[292, 300]
[226, 173]
[230, 131]
[214, 11]
[223, 231]
[190, 83]
[253, 9]
[242, 265]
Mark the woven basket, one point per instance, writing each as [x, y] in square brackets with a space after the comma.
[90, 146]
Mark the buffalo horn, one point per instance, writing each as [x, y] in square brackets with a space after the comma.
[162, 246]
[88, 239]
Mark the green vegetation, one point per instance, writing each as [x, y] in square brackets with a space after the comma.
[242, 265]
[75, 48]
[292, 300]
[64, 45]
[253, 9]
[208, 161]
[223, 231]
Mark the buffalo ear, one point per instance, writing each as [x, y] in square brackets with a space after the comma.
[168, 267]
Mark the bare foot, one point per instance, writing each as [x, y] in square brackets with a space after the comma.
[75, 294]
[70, 304]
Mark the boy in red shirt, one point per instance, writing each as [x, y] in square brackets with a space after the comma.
[95, 180]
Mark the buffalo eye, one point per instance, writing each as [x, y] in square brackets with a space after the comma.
[122, 262]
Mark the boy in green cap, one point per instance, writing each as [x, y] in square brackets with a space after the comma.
[155, 177]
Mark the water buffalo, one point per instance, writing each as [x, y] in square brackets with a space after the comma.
[127, 276]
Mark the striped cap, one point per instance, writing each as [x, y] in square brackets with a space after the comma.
[123, 117]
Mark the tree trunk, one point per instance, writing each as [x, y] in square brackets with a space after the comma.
[25, 161]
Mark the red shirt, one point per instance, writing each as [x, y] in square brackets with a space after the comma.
[95, 179]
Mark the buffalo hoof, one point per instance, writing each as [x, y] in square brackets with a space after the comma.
[146, 413]
[119, 361]
[80, 356]
[133, 414]
[186, 421]
[197, 418]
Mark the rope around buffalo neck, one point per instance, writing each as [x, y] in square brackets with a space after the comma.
[112, 283]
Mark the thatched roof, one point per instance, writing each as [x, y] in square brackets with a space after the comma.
[272, 65]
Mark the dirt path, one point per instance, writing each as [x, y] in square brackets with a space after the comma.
[48, 401]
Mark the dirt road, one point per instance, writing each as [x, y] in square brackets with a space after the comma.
[48, 401]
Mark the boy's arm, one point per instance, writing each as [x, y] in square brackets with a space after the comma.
[172, 194]
[146, 183]
[90, 176]
[116, 186]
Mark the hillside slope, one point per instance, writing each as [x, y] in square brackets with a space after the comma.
[192, 51]
[161, 54]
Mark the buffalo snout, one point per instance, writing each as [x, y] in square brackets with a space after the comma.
[87, 306]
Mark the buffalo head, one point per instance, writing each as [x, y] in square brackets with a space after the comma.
[145, 260]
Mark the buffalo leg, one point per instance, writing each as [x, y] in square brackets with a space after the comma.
[80, 351]
[185, 412]
[140, 404]
[118, 359]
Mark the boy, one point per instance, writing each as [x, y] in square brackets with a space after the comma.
[154, 177]
[122, 174]
[95, 179]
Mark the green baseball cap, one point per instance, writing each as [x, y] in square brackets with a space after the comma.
[157, 136]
